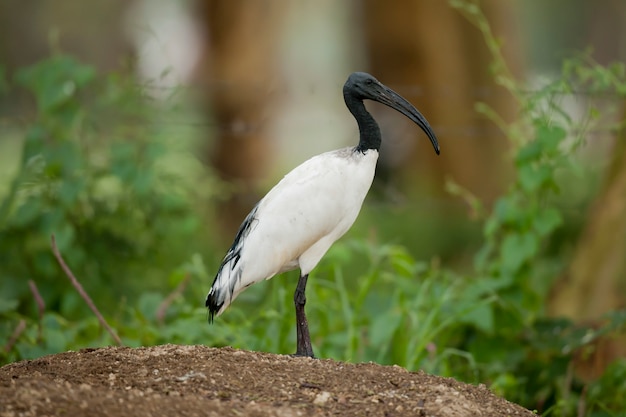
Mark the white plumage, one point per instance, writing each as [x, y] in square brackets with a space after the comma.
[309, 209]
[297, 221]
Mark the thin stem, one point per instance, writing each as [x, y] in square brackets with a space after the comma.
[21, 326]
[41, 306]
[162, 309]
[83, 293]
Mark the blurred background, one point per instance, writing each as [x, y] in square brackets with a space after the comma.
[264, 79]
[141, 133]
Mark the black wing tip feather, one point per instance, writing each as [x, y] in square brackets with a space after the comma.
[213, 306]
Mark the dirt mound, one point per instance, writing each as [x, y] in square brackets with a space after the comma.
[174, 380]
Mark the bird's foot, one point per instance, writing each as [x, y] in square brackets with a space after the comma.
[304, 349]
[300, 354]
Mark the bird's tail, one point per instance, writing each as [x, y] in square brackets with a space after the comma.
[226, 286]
[227, 283]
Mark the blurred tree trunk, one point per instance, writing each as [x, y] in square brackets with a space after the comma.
[595, 282]
[410, 43]
[439, 61]
[606, 31]
[242, 55]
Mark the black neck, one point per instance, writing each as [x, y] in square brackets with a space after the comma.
[369, 132]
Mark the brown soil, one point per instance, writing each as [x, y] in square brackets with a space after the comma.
[173, 380]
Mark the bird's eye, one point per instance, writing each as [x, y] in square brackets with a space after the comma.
[369, 81]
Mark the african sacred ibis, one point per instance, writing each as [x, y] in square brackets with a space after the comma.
[309, 209]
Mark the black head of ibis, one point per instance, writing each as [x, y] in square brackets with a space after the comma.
[361, 86]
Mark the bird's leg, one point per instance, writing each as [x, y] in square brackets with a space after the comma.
[302, 326]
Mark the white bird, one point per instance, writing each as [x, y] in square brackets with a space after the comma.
[309, 209]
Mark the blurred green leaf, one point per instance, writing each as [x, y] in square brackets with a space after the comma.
[546, 221]
[517, 249]
[384, 326]
[534, 178]
[7, 305]
[148, 304]
[479, 315]
[549, 137]
[55, 81]
[27, 212]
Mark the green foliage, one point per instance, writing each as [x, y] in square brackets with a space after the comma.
[607, 393]
[529, 356]
[120, 196]
[92, 173]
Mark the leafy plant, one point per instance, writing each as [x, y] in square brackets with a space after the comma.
[92, 173]
[97, 172]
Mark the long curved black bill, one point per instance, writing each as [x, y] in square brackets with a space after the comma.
[394, 100]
